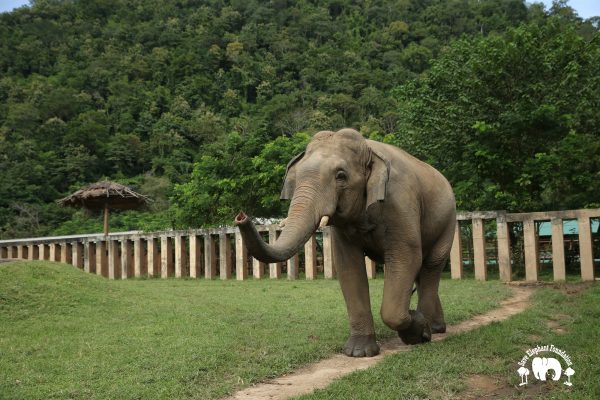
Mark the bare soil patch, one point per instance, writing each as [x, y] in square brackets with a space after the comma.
[321, 374]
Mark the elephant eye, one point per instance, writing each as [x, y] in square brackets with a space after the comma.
[341, 175]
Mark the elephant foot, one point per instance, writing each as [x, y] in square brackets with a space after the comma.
[438, 327]
[361, 346]
[419, 330]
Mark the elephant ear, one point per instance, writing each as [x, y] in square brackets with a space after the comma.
[289, 181]
[378, 178]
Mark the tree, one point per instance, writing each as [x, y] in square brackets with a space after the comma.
[511, 119]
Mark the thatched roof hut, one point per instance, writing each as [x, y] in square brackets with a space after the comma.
[105, 195]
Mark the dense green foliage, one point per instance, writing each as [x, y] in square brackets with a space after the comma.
[512, 121]
[199, 103]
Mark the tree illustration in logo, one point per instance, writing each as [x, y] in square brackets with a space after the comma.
[569, 372]
[523, 373]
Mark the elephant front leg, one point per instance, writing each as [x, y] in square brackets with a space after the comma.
[401, 269]
[352, 275]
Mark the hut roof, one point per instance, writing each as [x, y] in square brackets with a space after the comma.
[96, 195]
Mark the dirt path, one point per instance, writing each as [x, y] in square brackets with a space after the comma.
[321, 374]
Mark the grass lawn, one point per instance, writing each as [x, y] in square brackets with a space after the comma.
[68, 334]
[484, 361]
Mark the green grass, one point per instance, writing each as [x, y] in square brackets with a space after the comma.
[68, 334]
[440, 370]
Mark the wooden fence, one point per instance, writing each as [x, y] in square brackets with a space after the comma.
[221, 253]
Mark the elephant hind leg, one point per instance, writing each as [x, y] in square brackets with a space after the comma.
[429, 280]
[429, 300]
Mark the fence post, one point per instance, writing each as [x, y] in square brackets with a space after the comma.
[293, 267]
[166, 256]
[140, 259]
[371, 267]
[89, 257]
[503, 238]
[274, 268]
[154, 261]
[558, 249]
[195, 256]
[310, 258]
[210, 257]
[114, 261]
[479, 255]
[586, 257]
[181, 265]
[21, 252]
[77, 255]
[66, 253]
[127, 259]
[258, 268]
[31, 250]
[456, 264]
[224, 256]
[531, 251]
[328, 254]
[101, 260]
[241, 257]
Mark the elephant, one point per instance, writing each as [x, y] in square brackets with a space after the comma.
[380, 202]
[541, 365]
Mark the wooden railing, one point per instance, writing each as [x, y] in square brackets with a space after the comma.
[212, 253]
[221, 253]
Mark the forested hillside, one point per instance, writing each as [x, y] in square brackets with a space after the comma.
[200, 103]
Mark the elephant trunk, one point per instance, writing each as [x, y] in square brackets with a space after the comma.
[302, 221]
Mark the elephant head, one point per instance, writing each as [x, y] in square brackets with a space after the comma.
[335, 181]
[541, 366]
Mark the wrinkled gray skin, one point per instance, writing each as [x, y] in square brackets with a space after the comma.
[381, 202]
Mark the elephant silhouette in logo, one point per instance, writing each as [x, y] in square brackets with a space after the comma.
[541, 366]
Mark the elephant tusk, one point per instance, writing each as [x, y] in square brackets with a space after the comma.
[282, 223]
[324, 221]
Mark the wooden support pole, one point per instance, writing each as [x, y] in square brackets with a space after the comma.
[101, 258]
[154, 261]
[241, 257]
[166, 257]
[504, 262]
[106, 219]
[371, 267]
[328, 254]
[114, 259]
[293, 267]
[586, 256]
[181, 252]
[531, 251]
[479, 255]
[210, 257]
[127, 259]
[140, 259]
[225, 264]
[195, 257]
[456, 262]
[558, 250]
[274, 268]
[310, 258]
[89, 257]
[77, 255]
